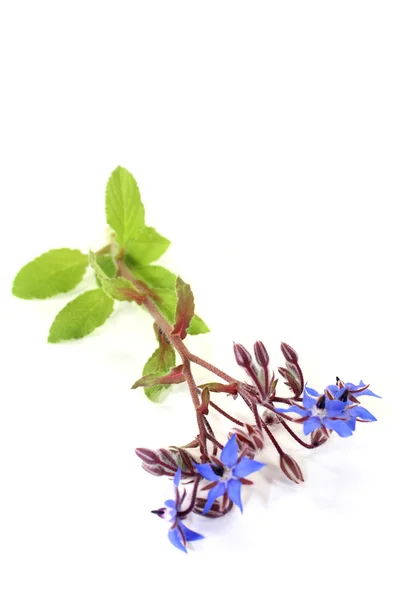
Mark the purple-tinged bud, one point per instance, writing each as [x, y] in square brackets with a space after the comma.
[261, 354]
[291, 469]
[148, 456]
[242, 356]
[318, 438]
[289, 353]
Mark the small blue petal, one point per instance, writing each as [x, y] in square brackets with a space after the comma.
[366, 392]
[247, 466]
[176, 539]
[341, 427]
[333, 389]
[207, 472]
[310, 397]
[177, 477]
[213, 494]
[335, 407]
[361, 413]
[311, 425]
[229, 454]
[170, 503]
[191, 536]
[296, 409]
[234, 487]
[351, 422]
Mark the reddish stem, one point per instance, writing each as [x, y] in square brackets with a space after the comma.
[226, 415]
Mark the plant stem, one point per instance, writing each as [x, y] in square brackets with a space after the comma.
[295, 436]
[226, 415]
[183, 513]
[206, 365]
[179, 346]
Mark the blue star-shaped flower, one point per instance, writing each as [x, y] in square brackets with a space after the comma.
[321, 412]
[348, 393]
[228, 474]
[178, 534]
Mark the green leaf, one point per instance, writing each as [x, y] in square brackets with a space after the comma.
[107, 265]
[155, 276]
[146, 246]
[125, 214]
[52, 273]
[197, 326]
[184, 308]
[120, 288]
[167, 302]
[175, 375]
[124, 209]
[161, 361]
[81, 316]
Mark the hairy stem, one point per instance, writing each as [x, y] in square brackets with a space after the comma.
[183, 513]
[295, 436]
[179, 346]
[226, 415]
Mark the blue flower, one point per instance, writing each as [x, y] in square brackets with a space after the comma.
[349, 391]
[348, 394]
[178, 534]
[228, 474]
[319, 411]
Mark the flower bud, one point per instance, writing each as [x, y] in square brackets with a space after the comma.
[289, 353]
[242, 356]
[291, 469]
[261, 354]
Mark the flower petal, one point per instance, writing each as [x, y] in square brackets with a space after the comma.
[191, 536]
[310, 397]
[351, 422]
[335, 407]
[311, 425]
[234, 487]
[361, 413]
[176, 539]
[341, 427]
[213, 494]
[207, 472]
[296, 409]
[366, 392]
[333, 389]
[177, 477]
[246, 466]
[229, 454]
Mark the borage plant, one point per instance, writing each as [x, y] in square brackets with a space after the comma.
[215, 471]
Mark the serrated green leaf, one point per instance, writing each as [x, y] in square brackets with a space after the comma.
[167, 302]
[107, 265]
[120, 288]
[155, 276]
[52, 273]
[81, 316]
[161, 361]
[197, 326]
[124, 209]
[146, 246]
[125, 214]
[184, 308]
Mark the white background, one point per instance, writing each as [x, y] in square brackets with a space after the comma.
[265, 140]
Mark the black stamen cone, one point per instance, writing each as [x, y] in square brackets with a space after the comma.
[321, 402]
[218, 470]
